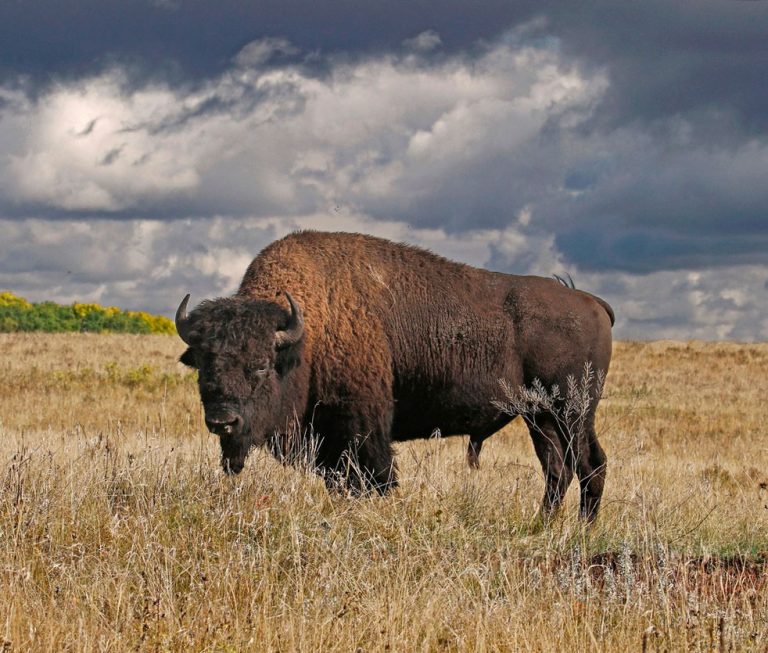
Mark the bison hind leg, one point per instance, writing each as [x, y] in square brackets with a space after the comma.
[556, 462]
[561, 453]
[473, 451]
[591, 469]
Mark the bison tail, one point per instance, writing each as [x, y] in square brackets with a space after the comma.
[607, 308]
[568, 283]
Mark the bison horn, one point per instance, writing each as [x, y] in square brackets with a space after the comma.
[295, 328]
[182, 325]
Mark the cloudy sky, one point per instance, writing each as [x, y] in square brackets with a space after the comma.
[150, 148]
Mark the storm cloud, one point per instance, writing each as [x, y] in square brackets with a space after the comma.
[625, 144]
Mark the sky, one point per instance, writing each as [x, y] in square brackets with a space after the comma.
[150, 148]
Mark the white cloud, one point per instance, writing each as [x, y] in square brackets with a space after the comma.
[257, 53]
[84, 150]
[424, 42]
[723, 303]
[150, 263]
[147, 264]
[374, 134]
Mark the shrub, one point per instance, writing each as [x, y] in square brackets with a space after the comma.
[17, 314]
[9, 299]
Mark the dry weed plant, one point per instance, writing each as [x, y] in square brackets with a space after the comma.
[569, 410]
[119, 532]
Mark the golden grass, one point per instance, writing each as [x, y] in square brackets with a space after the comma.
[119, 532]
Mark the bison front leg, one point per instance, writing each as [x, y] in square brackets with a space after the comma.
[355, 457]
[355, 468]
[371, 465]
[554, 460]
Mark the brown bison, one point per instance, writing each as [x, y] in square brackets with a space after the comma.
[370, 342]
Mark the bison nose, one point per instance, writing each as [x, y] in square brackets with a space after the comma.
[224, 424]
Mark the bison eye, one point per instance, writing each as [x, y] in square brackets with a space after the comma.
[260, 369]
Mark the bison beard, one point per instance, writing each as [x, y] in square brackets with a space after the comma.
[233, 454]
[386, 342]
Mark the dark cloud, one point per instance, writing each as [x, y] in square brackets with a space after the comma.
[193, 39]
[669, 59]
[664, 58]
[641, 202]
[645, 251]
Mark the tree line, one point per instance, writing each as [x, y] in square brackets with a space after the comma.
[18, 314]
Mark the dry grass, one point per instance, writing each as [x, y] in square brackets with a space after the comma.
[118, 532]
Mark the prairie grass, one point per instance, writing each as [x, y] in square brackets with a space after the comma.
[119, 532]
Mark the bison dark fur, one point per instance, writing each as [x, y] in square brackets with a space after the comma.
[370, 342]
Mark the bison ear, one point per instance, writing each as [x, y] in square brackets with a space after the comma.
[188, 358]
[287, 359]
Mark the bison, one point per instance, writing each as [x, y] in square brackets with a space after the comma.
[371, 342]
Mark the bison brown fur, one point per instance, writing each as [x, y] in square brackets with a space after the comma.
[369, 342]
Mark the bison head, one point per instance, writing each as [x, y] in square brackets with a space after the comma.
[244, 351]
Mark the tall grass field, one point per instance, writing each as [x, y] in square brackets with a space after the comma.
[119, 532]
